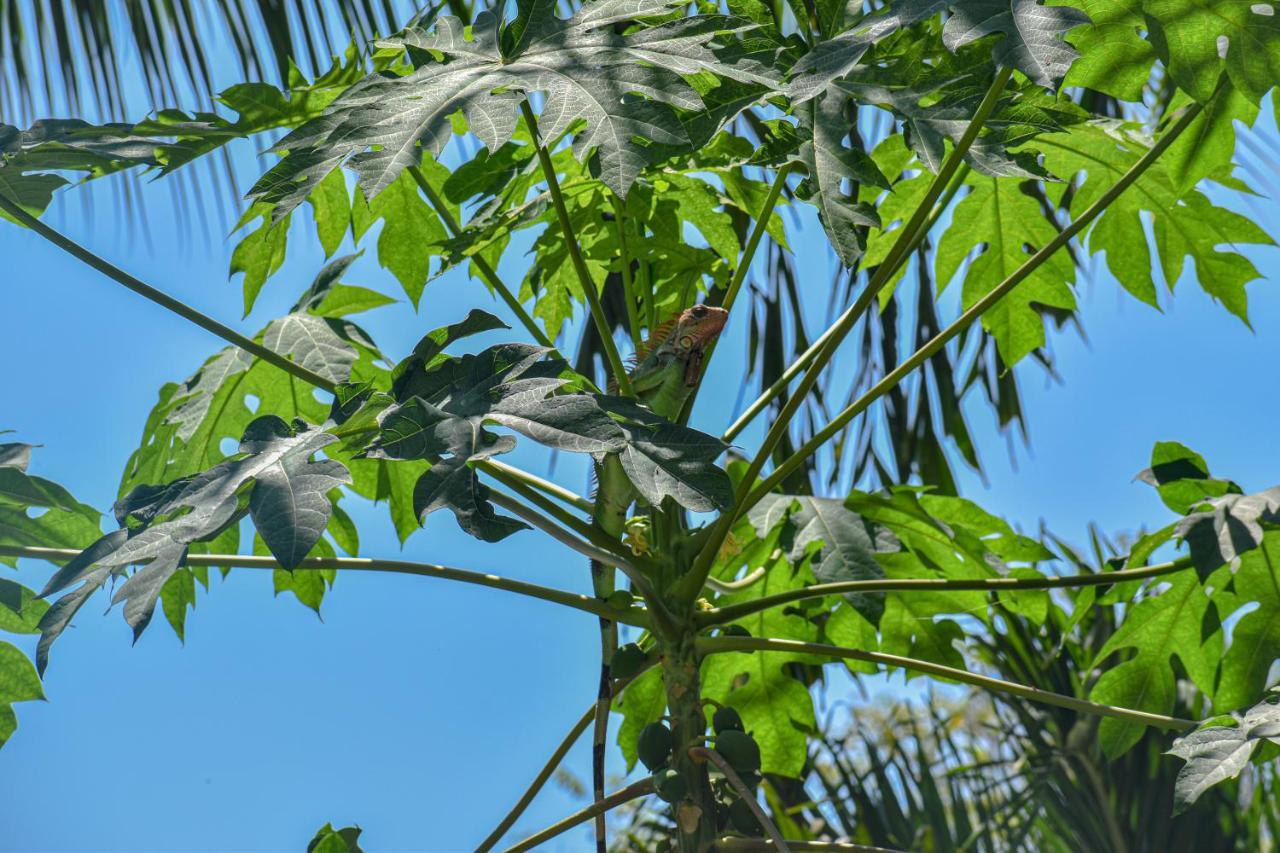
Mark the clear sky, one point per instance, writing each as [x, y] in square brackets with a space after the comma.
[403, 710]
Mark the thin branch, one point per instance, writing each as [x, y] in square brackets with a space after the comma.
[575, 256]
[735, 586]
[632, 792]
[487, 272]
[691, 584]
[541, 779]
[733, 612]
[744, 793]
[552, 763]
[586, 603]
[535, 518]
[716, 645]
[163, 299]
[762, 845]
[758, 230]
[624, 268]
[975, 311]
[554, 489]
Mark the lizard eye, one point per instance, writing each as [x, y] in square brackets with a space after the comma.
[686, 341]
[699, 310]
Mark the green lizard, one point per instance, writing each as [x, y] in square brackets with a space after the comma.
[667, 370]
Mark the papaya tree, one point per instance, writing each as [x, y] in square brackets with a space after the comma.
[645, 147]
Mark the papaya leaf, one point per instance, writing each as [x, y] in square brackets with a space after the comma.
[1155, 629]
[330, 840]
[1216, 752]
[19, 682]
[285, 497]
[668, 460]
[1229, 527]
[1114, 57]
[846, 544]
[1008, 226]
[587, 70]
[825, 123]
[1032, 34]
[1187, 225]
[1255, 638]
[1197, 38]
[1181, 476]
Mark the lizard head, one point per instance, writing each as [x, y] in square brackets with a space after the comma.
[695, 328]
[671, 365]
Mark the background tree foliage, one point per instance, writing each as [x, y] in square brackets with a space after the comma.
[650, 146]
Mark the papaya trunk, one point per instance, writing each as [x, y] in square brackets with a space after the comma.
[695, 815]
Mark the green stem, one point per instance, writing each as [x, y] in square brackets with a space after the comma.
[632, 792]
[793, 369]
[734, 612]
[758, 230]
[556, 491]
[975, 311]
[884, 273]
[163, 299]
[575, 256]
[744, 793]
[550, 767]
[624, 264]
[646, 292]
[585, 603]
[487, 272]
[717, 645]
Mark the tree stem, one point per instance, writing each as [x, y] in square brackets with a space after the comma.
[734, 612]
[575, 256]
[758, 230]
[552, 763]
[163, 299]
[744, 793]
[553, 489]
[486, 270]
[587, 604]
[716, 645]
[633, 791]
[624, 269]
[884, 273]
[975, 311]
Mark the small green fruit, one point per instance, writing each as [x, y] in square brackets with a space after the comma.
[627, 661]
[726, 719]
[654, 745]
[620, 599]
[739, 749]
[670, 785]
[743, 819]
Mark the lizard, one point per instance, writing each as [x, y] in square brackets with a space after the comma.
[667, 369]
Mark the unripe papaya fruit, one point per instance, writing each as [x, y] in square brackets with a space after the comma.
[726, 719]
[739, 749]
[743, 819]
[627, 661]
[654, 745]
[670, 785]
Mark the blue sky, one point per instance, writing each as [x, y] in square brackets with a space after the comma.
[402, 710]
